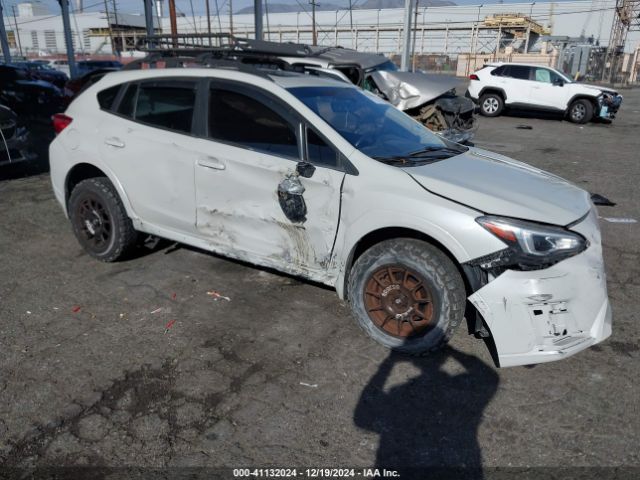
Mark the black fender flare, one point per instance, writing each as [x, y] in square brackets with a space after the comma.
[580, 96]
[493, 90]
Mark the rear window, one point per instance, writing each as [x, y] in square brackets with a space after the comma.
[127, 103]
[168, 104]
[106, 97]
[518, 71]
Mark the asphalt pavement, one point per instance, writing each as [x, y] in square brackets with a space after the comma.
[135, 364]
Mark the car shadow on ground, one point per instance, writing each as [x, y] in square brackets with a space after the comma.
[428, 425]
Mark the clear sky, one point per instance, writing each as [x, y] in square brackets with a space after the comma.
[136, 6]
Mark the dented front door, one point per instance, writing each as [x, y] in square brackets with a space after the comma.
[250, 202]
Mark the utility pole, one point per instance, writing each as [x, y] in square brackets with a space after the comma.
[208, 20]
[148, 17]
[257, 18]
[314, 34]
[106, 9]
[64, 4]
[415, 34]
[15, 21]
[115, 19]
[350, 15]
[406, 47]
[3, 38]
[172, 21]
[231, 17]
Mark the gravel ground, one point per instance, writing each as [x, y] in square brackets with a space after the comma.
[280, 374]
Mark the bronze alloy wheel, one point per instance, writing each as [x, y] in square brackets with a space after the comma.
[399, 301]
[94, 223]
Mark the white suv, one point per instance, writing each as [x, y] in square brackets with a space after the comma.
[535, 87]
[319, 179]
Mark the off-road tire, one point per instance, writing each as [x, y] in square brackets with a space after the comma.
[437, 270]
[122, 236]
[491, 104]
[580, 111]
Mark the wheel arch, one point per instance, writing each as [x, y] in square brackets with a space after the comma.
[84, 170]
[497, 90]
[582, 96]
[387, 233]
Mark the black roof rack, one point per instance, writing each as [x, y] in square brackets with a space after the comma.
[220, 43]
[223, 50]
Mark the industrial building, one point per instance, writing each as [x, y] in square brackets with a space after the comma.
[450, 38]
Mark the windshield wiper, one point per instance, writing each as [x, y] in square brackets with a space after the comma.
[421, 157]
[428, 150]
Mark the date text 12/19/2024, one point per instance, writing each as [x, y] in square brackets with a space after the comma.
[315, 473]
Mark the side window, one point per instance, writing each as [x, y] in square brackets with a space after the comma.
[318, 152]
[543, 75]
[519, 71]
[127, 103]
[499, 72]
[167, 104]
[106, 97]
[247, 122]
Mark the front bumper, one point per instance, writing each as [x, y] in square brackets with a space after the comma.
[546, 315]
[608, 105]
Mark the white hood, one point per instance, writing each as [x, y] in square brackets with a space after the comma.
[495, 184]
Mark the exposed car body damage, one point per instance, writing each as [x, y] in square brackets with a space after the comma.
[552, 313]
[272, 210]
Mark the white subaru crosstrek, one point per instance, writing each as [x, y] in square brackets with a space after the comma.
[316, 178]
[497, 86]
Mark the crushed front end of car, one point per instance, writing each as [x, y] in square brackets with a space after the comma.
[608, 104]
[546, 308]
[430, 99]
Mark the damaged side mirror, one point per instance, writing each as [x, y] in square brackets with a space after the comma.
[305, 169]
[290, 191]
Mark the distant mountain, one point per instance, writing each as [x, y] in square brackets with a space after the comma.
[368, 4]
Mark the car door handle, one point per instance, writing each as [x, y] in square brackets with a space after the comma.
[114, 142]
[211, 162]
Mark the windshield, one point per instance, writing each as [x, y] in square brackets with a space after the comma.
[375, 127]
[563, 76]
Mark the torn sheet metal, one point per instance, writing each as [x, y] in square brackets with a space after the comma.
[407, 90]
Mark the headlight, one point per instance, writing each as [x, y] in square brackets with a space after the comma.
[531, 245]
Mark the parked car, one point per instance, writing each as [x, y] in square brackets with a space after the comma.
[501, 85]
[27, 97]
[87, 66]
[317, 178]
[75, 86]
[14, 139]
[60, 65]
[38, 71]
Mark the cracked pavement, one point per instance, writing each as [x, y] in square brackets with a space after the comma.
[281, 375]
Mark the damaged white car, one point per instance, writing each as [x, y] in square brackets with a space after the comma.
[319, 179]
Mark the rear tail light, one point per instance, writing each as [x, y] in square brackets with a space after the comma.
[60, 122]
[473, 76]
